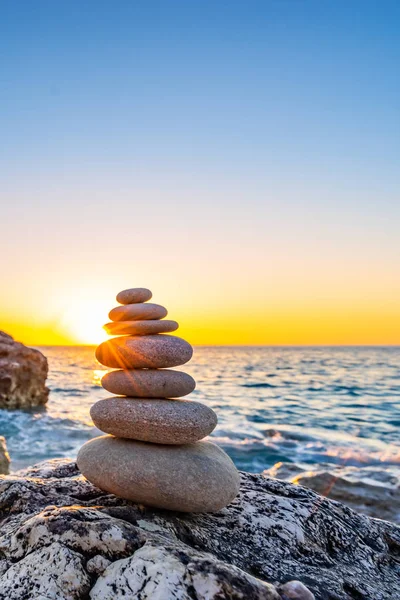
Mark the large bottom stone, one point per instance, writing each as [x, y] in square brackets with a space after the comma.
[155, 420]
[196, 477]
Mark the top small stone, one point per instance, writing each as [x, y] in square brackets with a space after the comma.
[134, 295]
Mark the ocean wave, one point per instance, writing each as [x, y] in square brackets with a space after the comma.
[293, 404]
[258, 385]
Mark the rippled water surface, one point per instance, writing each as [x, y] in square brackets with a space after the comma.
[338, 405]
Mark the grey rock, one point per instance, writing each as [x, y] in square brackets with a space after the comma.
[371, 490]
[23, 373]
[137, 312]
[170, 572]
[273, 534]
[149, 383]
[98, 564]
[133, 295]
[144, 352]
[52, 572]
[140, 327]
[155, 420]
[197, 477]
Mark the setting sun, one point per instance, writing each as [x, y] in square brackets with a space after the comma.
[83, 321]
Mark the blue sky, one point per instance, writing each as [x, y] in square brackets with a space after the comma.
[247, 131]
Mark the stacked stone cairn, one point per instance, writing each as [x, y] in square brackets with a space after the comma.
[153, 454]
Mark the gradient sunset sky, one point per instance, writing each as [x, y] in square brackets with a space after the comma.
[240, 159]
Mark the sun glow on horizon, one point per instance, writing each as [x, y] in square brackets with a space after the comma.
[76, 315]
[83, 321]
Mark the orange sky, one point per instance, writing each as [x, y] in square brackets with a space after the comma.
[290, 310]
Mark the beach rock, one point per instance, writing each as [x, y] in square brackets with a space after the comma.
[370, 490]
[137, 312]
[23, 373]
[4, 457]
[149, 383]
[196, 477]
[273, 534]
[141, 352]
[140, 327]
[295, 590]
[134, 295]
[159, 421]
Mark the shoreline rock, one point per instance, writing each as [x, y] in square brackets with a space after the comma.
[59, 532]
[4, 457]
[23, 374]
[370, 490]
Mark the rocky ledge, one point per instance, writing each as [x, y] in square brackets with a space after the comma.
[62, 538]
[23, 373]
[372, 490]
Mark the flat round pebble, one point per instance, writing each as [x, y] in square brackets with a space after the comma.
[133, 295]
[140, 327]
[137, 312]
[149, 383]
[197, 477]
[158, 421]
[144, 352]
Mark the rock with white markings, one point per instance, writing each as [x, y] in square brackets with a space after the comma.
[56, 526]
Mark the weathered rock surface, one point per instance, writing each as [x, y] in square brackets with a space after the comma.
[61, 539]
[196, 477]
[140, 327]
[23, 373]
[137, 312]
[154, 420]
[144, 352]
[370, 490]
[133, 295]
[4, 457]
[149, 383]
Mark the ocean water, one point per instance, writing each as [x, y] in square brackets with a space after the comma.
[308, 405]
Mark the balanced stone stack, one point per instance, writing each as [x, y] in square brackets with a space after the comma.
[153, 454]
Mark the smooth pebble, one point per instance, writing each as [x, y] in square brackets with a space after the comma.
[133, 295]
[140, 327]
[149, 351]
[159, 421]
[137, 312]
[149, 383]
